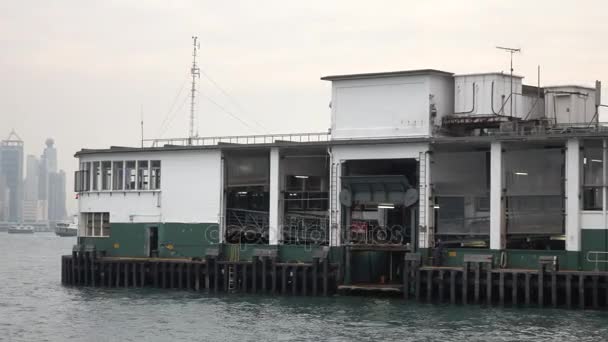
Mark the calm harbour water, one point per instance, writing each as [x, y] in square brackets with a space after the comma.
[34, 306]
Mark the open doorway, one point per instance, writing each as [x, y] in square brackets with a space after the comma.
[153, 242]
[379, 215]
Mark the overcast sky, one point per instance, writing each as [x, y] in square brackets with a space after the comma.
[80, 71]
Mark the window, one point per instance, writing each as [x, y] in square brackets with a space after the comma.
[105, 224]
[97, 224]
[142, 175]
[593, 176]
[82, 178]
[106, 175]
[119, 174]
[130, 175]
[89, 224]
[96, 172]
[155, 175]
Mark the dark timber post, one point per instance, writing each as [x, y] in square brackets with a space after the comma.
[514, 288]
[315, 275]
[254, 274]
[453, 287]
[581, 291]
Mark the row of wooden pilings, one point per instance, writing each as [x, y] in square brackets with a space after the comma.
[263, 274]
[479, 283]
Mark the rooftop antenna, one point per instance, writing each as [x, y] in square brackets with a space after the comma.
[195, 72]
[142, 125]
[511, 52]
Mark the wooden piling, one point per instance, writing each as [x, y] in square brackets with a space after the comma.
[244, 281]
[541, 286]
[453, 287]
[441, 290]
[569, 290]
[118, 264]
[294, 280]
[429, 285]
[406, 279]
[315, 275]
[216, 275]
[164, 274]
[126, 274]
[527, 288]
[180, 275]
[477, 285]
[197, 277]
[325, 275]
[581, 291]
[489, 285]
[501, 288]
[514, 299]
[254, 275]
[595, 291]
[304, 282]
[465, 282]
[554, 288]
[273, 266]
[134, 271]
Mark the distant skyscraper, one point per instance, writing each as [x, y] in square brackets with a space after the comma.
[32, 174]
[11, 169]
[56, 201]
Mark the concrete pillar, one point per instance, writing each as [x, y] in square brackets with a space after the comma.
[497, 214]
[425, 209]
[274, 222]
[573, 186]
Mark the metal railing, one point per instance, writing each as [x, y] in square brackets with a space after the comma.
[523, 129]
[597, 261]
[240, 139]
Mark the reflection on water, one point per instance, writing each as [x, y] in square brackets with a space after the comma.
[35, 307]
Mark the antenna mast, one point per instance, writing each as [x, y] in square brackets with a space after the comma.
[195, 72]
[511, 51]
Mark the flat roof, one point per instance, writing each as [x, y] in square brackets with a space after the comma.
[466, 140]
[569, 86]
[499, 73]
[386, 74]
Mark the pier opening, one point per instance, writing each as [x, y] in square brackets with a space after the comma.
[461, 192]
[534, 197]
[304, 183]
[153, 242]
[379, 213]
[246, 191]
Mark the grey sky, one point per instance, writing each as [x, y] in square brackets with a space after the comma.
[79, 71]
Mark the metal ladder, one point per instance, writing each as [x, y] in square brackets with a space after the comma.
[333, 203]
[422, 199]
[231, 278]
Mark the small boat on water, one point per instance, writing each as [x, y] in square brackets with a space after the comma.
[20, 229]
[64, 229]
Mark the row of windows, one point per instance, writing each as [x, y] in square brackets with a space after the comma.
[118, 175]
[594, 175]
[96, 224]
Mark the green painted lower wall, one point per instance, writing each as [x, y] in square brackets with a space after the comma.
[176, 240]
[184, 240]
[179, 240]
[594, 240]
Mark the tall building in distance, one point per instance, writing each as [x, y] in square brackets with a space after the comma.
[11, 172]
[40, 198]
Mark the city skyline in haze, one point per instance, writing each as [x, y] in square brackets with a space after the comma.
[83, 73]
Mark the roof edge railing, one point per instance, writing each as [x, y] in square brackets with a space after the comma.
[240, 139]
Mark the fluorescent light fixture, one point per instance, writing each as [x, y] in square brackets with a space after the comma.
[386, 206]
[596, 160]
[584, 160]
[521, 173]
[302, 177]
[436, 207]
[242, 192]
